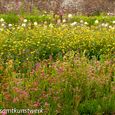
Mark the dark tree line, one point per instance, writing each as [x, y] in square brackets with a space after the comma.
[61, 7]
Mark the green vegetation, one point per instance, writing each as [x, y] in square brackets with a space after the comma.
[16, 19]
[65, 69]
[13, 18]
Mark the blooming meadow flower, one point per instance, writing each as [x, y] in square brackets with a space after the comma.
[51, 25]
[35, 23]
[25, 20]
[2, 24]
[64, 20]
[74, 24]
[69, 15]
[18, 27]
[96, 21]
[103, 24]
[10, 25]
[36, 104]
[1, 29]
[81, 21]
[1, 20]
[86, 23]
[23, 25]
[113, 22]
[106, 25]
[58, 21]
[15, 100]
[4, 113]
[110, 27]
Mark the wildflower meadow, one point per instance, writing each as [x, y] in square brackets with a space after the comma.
[65, 68]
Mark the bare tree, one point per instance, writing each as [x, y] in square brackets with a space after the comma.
[60, 7]
[98, 6]
[52, 5]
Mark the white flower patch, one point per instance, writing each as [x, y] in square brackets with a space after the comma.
[25, 20]
[64, 20]
[1, 29]
[51, 25]
[106, 25]
[23, 25]
[1, 20]
[35, 23]
[113, 22]
[86, 23]
[18, 27]
[81, 21]
[10, 25]
[96, 21]
[2, 24]
[103, 24]
[69, 15]
[74, 24]
[110, 27]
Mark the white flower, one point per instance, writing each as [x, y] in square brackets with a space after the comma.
[18, 27]
[64, 20]
[35, 23]
[110, 27]
[1, 29]
[10, 25]
[23, 25]
[2, 24]
[73, 24]
[96, 21]
[51, 25]
[85, 23]
[25, 20]
[106, 24]
[45, 22]
[108, 14]
[103, 24]
[1, 20]
[114, 22]
[69, 15]
[81, 21]
[58, 21]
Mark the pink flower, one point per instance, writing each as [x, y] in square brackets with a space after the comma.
[4, 113]
[15, 100]
[60, 70]
[46, 104]
[7, 96]
[34, 89]
[42, 73]
[36, 104]
[35, 84]
[29, 114]
[24, 93]
[33, 71]
[37, 66]
[16, 89]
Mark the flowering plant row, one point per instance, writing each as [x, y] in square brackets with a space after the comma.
[73, 85]
[30, 41]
